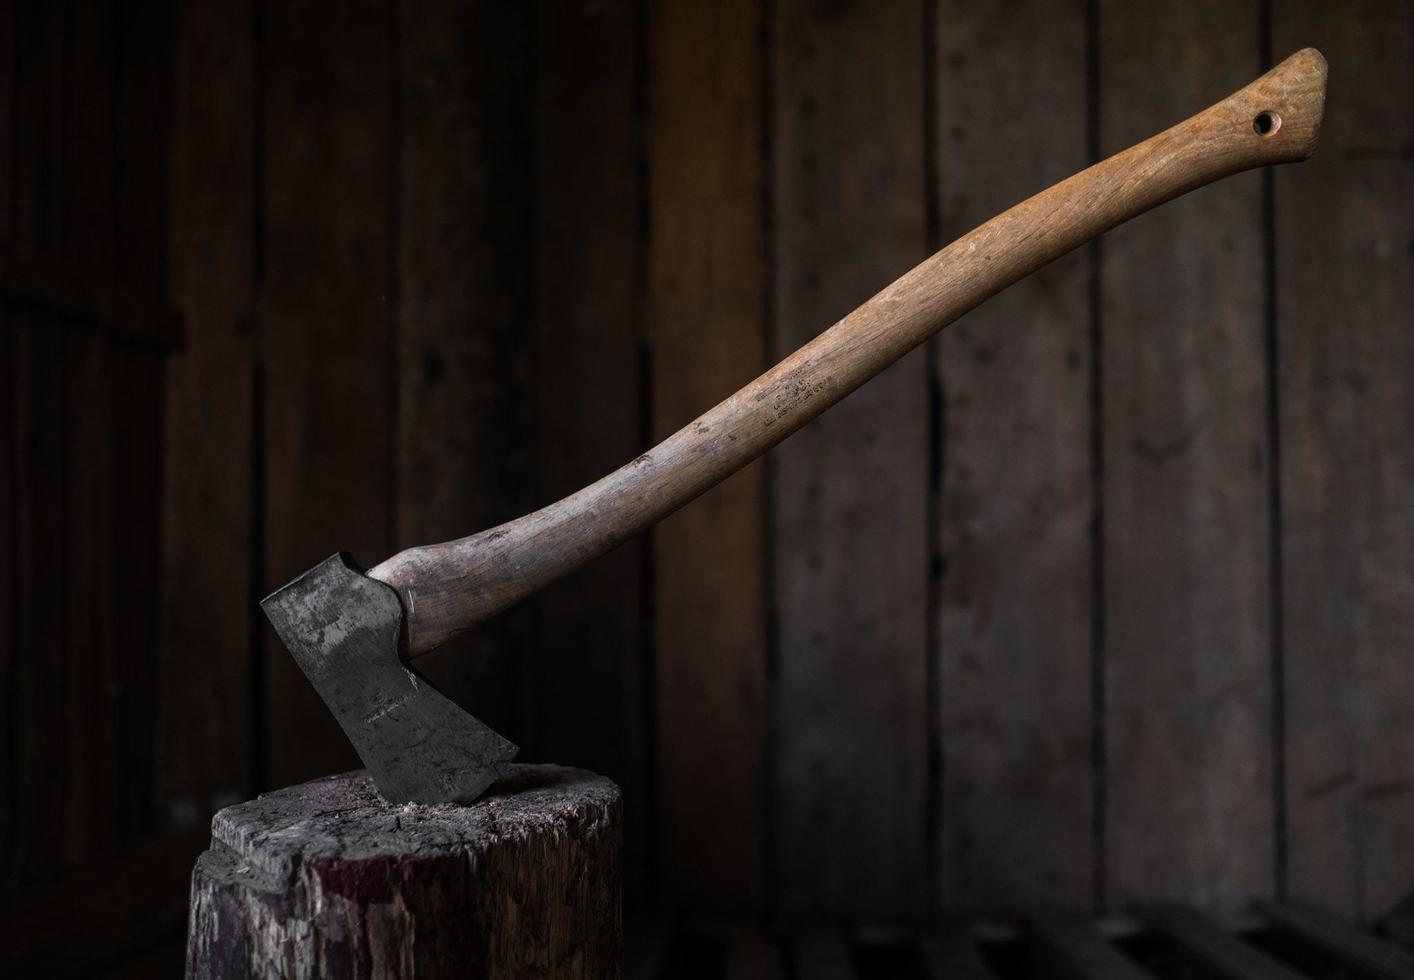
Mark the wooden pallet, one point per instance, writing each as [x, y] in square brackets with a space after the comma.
[1277, 941]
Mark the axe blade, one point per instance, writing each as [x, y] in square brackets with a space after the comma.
[342, 628]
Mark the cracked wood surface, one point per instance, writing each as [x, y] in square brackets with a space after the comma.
[326, 878]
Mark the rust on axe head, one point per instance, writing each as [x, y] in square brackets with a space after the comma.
[342, 628]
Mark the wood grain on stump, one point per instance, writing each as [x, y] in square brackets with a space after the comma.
[326, 879]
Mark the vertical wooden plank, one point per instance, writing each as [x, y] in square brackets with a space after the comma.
[9, 474]
[647, 945]
[849, 493]
[38, 678]
[86, 454]
[135, 553]
[10, 591]
[1354, 949]
[706, 309]
[1345, 353]
[92, 640]
[1398, 922]
[464, 267]
[98, 665]
[90, 141]
[131, 899]
[326, 345]
[1188, 713]
[204, 711]
[591, 683]
[1014, 617]
[955, 956]
[1204, 941]
[1067, 945]
[142, 114]
[827, 957]
[37, 157]
[751, 954]
[39, 723]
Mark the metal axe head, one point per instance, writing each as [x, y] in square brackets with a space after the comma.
[342, 628]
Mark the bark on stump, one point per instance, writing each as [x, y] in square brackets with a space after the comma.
[328, 880]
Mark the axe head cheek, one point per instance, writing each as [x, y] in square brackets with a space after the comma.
[342, 628]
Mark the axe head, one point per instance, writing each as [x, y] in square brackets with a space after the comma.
[342, 628]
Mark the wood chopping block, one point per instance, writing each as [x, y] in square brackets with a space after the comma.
[327, 879]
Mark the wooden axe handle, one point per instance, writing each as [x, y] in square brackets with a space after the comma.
[447, 588]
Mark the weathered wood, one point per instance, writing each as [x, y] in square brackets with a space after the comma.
[464, 426]
[326, 343]
[751, 954]
[1398, 923]
[136, 553]
[98, 664]
[128, 899]
[96, 300]
[1351, 947]
[155, 963]
[142, 35]
[37, 837]
[1067, 945]
[1207, 943]
[849, 497]
[1014, 507]
[204, 710]
[1343, 278]
[1187, 714]
[9, 580]
[82, 413]
[37, 833]
[824, 956]
[97, 667]
[142, 94]
[9, 452]
[37, 162]
[954, 956]
[590, 680]
[326, 879]
[646, 943]
[705, 309]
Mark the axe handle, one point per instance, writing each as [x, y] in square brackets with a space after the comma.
[447, 588]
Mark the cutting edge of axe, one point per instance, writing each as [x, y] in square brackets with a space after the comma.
[349, 631]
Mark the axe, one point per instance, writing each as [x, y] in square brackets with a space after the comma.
[353, 632]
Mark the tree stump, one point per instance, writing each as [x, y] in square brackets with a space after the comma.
[328, 880]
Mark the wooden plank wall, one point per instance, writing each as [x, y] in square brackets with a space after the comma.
[84, 307]
[849, 494]
[591, 676]
[706, 314]
[463, 257]
[1102, 597]
[1345, 396]
[84, 401]
[323, 277]
[1012, 533]
[206, 711]
[1182, 415]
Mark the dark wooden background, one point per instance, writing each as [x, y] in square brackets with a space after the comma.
[1105, 595]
